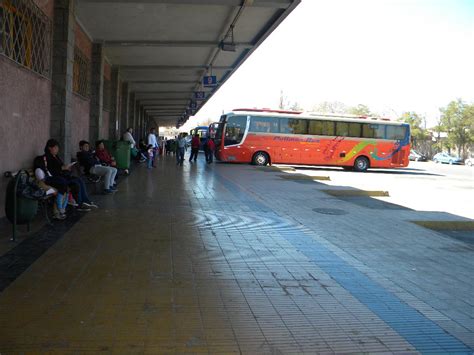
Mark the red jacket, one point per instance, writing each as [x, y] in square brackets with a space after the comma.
[210, 145]
[104, 156]
[195, 142]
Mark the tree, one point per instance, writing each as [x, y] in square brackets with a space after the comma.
[330, 107]
[457, 119]
[416, 122]
[360, 110]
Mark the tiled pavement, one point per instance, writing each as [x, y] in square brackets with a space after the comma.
[227, 258]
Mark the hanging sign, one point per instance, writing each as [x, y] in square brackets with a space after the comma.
[209, 81]
[193, 105]
[199, 95]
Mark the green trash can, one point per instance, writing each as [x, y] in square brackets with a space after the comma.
[122, 154]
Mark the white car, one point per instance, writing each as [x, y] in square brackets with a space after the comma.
[469, 161]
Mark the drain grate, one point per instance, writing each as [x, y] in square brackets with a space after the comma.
[330, 211]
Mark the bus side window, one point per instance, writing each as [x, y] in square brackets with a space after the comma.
[263, 124]
[299, 126]
[396, 132]
[342, 129]
[285, 126]
[355, 129]
[373, 131]
[315, 127]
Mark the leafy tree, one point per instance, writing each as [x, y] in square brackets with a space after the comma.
[330, 107]
[457, 118]
[295, 106]
[416, 122]
[360, 110]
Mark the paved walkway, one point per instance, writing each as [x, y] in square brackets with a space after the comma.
[232, 258]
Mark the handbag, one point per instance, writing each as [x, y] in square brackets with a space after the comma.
[28, 189]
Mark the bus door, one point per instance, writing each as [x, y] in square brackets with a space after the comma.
[234, 135]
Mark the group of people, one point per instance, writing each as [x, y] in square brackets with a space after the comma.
[147, 151]
[208, 147]
[69, 188]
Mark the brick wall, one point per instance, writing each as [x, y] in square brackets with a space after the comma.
[81, 105]
[25, 109]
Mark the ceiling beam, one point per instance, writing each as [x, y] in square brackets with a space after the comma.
[180, 44]
[280, 4]
[161, 99]
[163, 81]
[163, 92]
[171, 67]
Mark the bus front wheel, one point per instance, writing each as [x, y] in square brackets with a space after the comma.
[260, 158]
[361, 164]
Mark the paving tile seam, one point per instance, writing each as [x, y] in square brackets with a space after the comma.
[316, 249]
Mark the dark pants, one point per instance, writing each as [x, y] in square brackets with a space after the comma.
[209, 155]
[194, 154]
[77, 186]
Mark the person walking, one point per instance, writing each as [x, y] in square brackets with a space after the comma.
[195, 143]
[154, 143]
[181, 146]
[209, 149]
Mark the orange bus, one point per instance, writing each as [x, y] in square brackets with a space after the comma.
[266, 136]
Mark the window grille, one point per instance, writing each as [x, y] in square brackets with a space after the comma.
[81, 74]
[25, 35]
[107, 104]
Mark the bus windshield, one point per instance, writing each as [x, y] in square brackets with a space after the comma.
[235, 129]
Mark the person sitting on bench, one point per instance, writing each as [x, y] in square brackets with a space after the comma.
[92, 165]
[60, 190]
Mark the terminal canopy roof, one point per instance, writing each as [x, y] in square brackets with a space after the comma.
[164, 48]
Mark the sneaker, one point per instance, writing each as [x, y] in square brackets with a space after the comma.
[90, 204]
[59, 216]
[109, 191]
[83, 208]
[113, 188]
[73, 203]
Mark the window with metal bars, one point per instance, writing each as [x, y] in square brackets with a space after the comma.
[81, 74]
[107, 101]
[25, 35]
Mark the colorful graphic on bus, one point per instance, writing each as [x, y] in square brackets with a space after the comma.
[264, 136]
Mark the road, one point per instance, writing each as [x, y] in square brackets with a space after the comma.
[422, 186]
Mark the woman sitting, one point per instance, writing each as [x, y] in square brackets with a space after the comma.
[59, 189]
[59, 173]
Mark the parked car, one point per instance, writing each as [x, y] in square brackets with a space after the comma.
[414, 155]
[469, 161]
[446, 158]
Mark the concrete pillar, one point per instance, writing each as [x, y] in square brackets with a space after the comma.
[97, 91]
[136, 121]
[62, 74]
[131, 110]
[125, 107]
[114, 133]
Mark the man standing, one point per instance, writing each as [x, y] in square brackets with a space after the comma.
[195, 143]
[153, 142]
[181, 145]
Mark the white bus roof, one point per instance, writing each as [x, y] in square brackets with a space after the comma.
[313, 116]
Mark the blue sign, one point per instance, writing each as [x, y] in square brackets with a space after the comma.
[199, 95]
[194, 105]
[209, 81]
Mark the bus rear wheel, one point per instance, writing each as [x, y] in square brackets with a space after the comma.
[260, 159]
[361, 164]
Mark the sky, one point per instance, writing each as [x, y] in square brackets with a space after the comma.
[391, 55]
